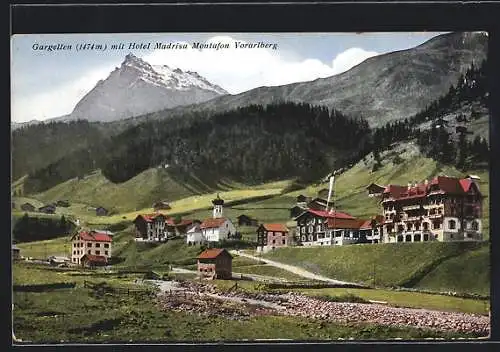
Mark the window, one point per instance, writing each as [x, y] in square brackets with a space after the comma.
[302, 230]
[89, 244]
[283, 241]
[303, 238]
[310, 229]
[475, 225]
[274, 241]
[452, 224]
[426, 237]
[426, 226]
[106, 252]
[416, 238]
[74, 244]
[310, 238]
[97, 245]
[88, 252]
[408, 238]
[318, 228]
[97, 252]
[400, 238]
[74, 252]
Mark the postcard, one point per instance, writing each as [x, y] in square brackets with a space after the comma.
[204, 187]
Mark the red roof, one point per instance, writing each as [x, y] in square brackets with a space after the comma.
[95, 236]
[212, 223]
[337, 223]
[95, 258]
[148, 217]
[212, 253]
[275, 227]
[330, 214]
[448, 185]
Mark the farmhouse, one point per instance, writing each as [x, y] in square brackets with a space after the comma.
[320, 228]
[90, 243]
[28, 207]
[150, 227]
[370, 231]
[101, 211]
[176, 227]
[215, 263]
[271, 236]
[48, 209]
[374, 190]
[245, 220]
[444, 209]
[16, 252]
[217, 228]
[161, 205]
[194, 235]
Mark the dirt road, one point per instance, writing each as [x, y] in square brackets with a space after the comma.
[293, 269]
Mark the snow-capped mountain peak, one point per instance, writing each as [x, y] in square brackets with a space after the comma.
[136, 87]
[163, 75]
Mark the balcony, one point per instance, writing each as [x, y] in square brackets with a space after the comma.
[435, 216]
[411, 207]
[413, 218]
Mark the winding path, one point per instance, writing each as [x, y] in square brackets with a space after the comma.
[294, 269]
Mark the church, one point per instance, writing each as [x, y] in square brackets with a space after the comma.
[216, 228]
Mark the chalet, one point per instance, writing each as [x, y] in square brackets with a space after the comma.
[217, 228]
[443, 209]
[271, 236]
[28, 207]
[215, 263]
[302, 200]
[161, 205]
[194, 235]
[16, 252]
[91, 243]
[370, 231]
[323, 193]
[318, 204]
[150, 227]
[320, 228]
[245, 220]
[92, 261]
[62, 203]
[48, 209]
[101, 211]
[375, 190]
[176, 228]
[297, 210]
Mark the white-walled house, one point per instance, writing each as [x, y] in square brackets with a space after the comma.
[194, 235]
[218, 229]
[91, 244]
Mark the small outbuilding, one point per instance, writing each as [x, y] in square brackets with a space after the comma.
[101, 211]
[215, 263]
[28, 207]
[375, 190]
[91, 261]
[245, 220]
[16, 252]
[48, 209]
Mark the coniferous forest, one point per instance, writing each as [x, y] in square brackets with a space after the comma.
[250, 144]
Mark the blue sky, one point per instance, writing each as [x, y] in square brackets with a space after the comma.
[49, 84]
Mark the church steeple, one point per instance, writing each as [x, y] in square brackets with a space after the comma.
[218, 203]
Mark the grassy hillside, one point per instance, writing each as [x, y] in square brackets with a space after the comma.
[468, 272]
[395, 264]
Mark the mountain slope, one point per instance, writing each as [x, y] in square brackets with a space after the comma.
[381, 89]
[137, 87]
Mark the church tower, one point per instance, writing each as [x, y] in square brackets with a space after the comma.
[218, 203]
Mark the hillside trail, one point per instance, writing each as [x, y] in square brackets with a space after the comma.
[294, 269]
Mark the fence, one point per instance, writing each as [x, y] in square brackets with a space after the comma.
[43, 287]
[104, 288]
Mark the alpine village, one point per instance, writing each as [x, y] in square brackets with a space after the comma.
[319, 217]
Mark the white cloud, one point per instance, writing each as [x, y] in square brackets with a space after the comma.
[350, 58]
[57, 102]
[236, 70]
